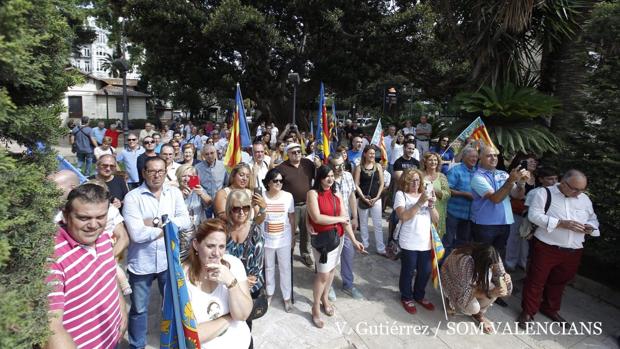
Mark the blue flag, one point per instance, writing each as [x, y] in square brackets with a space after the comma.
[178, 323]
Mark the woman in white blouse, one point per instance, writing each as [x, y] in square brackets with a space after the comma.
[218, 289]
[416, 212]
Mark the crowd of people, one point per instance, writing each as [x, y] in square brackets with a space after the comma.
[239, 229]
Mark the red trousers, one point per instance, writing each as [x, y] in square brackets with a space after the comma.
[549, 271]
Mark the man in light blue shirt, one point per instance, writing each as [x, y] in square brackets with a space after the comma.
[491, 213]
[99, 132]
[212, 173]
[129, 158]
[458, 225]
[146, 256]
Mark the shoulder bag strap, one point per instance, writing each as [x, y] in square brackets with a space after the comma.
[372, 177]
[401, 223]
[548, 202]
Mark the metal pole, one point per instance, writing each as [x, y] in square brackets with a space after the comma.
[125, 111]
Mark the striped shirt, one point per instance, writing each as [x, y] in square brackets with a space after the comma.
[83, 282]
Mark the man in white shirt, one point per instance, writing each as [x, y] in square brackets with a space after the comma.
[259, 163]
[557, 245]
[146, 257]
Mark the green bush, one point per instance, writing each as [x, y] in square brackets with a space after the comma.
[35, 42]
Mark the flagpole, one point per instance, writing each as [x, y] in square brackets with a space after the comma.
[443, 300]
[436, 262]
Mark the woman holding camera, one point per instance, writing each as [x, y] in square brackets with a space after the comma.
[328, 220]
[416, 212]
[241, 178]
[472, 277]
[368, 177]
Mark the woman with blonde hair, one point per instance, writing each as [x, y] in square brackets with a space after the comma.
[431, 164]
[240, 178]
[416, 212]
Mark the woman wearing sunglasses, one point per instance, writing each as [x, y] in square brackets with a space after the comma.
[278, 231]
[246, 240]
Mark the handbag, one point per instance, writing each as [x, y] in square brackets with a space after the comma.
[392, 250]
[361, 203]
[527, 228]
[326, 241]
[260, 306]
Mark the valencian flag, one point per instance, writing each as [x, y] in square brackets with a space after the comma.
[322, 130]
[437, 253]
[239, 134]
[178, 324]
[377, 139]
[477, 131]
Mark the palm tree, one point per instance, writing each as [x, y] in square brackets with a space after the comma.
[513, 117]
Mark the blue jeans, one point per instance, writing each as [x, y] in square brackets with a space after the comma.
[346, 263]
[411, 261]
[458, 233]
[140, 297]
[81, 159]
[495, 235]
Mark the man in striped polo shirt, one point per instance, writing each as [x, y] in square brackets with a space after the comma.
[86, 307]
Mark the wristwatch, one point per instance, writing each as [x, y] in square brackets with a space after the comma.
[156, 222]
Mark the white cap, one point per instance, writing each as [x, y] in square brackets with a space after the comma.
[291, 146]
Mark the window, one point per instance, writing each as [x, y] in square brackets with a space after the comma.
[75, 106]
[100, 66]
[119, 104]
[87, 52]
[87, 66]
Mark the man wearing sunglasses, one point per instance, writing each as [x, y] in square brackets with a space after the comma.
[149, 152]
[557, 245]
[129, 158]
[298, 173]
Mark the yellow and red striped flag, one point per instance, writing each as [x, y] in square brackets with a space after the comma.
[239, 134]
[322, 131]
[477, 131]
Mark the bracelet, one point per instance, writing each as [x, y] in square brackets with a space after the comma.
[261, 210]
[232, 284]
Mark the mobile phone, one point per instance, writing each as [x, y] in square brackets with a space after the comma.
[524, 165]
[194, 181]
[258, 190]
[428, 188]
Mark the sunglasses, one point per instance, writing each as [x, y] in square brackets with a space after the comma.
[132, 139]
[107, 166]
[238, 209]
[277, 180]
[148, 142]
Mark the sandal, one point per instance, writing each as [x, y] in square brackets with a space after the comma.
[316, 320]
[328, 310]
[487, 327]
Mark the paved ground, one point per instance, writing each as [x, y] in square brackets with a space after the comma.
[380, 322]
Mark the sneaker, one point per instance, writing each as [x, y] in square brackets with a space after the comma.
[353, 293]
[409, 306]
[307, 260]
[332, 294]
